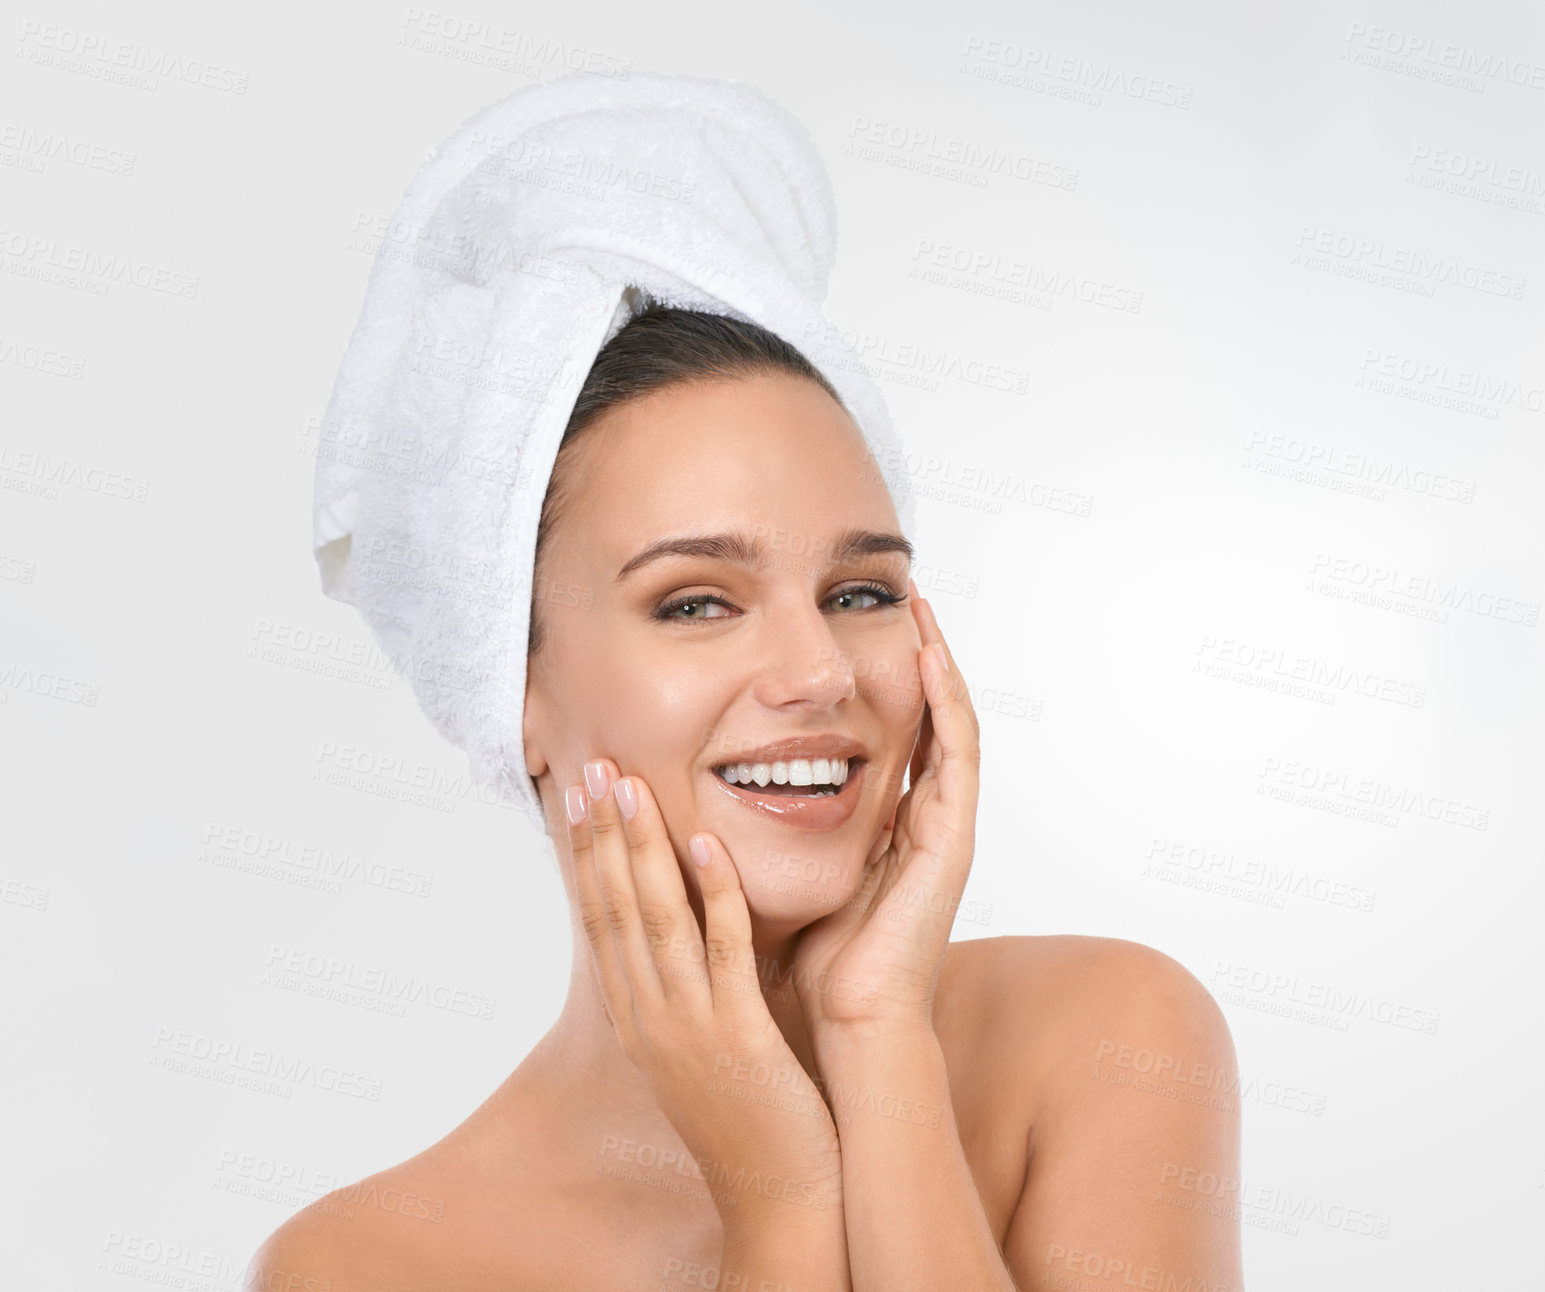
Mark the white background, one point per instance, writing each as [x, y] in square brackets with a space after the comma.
[1128, 555]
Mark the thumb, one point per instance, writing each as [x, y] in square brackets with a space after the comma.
[882, 841]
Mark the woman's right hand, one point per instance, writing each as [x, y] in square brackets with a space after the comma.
[688, 1011]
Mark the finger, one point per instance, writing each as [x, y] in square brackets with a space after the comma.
[945, 828]
[928, 633]
[616, 992]
[665, 915]
[920, 750]
[882, 841]
[737, 991]
[619, 895]
[956, 732]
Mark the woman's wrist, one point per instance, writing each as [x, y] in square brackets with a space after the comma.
[771, 1247]
[893, 1072]
[756, 1196]
[871, 1041]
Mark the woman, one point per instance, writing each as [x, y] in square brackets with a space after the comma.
[773, 1070]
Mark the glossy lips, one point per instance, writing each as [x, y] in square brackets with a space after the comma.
[803, 812]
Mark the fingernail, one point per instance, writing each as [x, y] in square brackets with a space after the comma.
[627, 800]
[595, 777]
[938, 655]
[698, 849]
[578, 805]
[912, 588]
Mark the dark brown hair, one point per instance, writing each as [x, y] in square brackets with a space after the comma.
[660, 347]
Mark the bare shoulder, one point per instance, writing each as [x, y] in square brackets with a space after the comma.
[1119, 1066]
[421, 1225]
[1057, 1007]
[1066, 978]
[352, 1240]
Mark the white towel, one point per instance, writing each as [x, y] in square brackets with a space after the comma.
[522, 246]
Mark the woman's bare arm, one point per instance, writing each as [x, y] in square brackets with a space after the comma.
[1133, 1172]
[914, 1215]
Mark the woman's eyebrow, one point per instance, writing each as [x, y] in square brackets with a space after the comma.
[742, 549]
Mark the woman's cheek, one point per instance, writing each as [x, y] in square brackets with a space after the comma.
[887, 678]
[902, 699]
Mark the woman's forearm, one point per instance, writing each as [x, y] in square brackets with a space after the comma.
[913, 1216]
[786, 1252]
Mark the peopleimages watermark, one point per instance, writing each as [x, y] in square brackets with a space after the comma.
[1386, 587]
[392, 776]
[30, 897]
[1279, 1203]
[593, 175]
[331, 977]
[1331, 464]
[15, 569]
[1066, 76]
[1444, 56]
[1209, 866]
[72, 265]
[738, 1076]
[39, 147]
[36, 472]
[184, 1265]
[951, 157]
[1482, 179]
[51, 685]
[232, 1063]
[276, 641]
[475, 41]
[989, 273]
[109, 59]
[1278, 668]
[1408, 268]
[1172, 1076]
[1312, 1001]
[1431, 381]
[41, 359]
[1379, 796]
[1071, 1267]
[261, 852]
[293, 1186]
[903, 471]
[855, 349]
[1140, 1068]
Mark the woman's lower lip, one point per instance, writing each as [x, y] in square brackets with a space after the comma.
[822, 812]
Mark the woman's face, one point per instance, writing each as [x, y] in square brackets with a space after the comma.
[676, 664]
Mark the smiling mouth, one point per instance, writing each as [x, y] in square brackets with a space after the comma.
[800, 778]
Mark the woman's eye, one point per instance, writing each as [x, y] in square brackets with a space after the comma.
[709, 607]
[853, 593]
[695, 608]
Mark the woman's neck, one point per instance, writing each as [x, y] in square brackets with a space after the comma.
[580, 1058]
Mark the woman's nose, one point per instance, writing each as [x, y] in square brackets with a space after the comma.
[803, 662]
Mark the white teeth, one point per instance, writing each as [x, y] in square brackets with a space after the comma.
[796, 771]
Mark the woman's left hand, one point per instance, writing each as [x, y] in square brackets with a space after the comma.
[877, 960]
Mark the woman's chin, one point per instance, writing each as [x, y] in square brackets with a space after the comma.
[796, 881]
[796, 906]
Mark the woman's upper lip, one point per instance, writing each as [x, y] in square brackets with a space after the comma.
[829, 746]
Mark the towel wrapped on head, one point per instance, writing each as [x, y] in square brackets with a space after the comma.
[526, 242]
